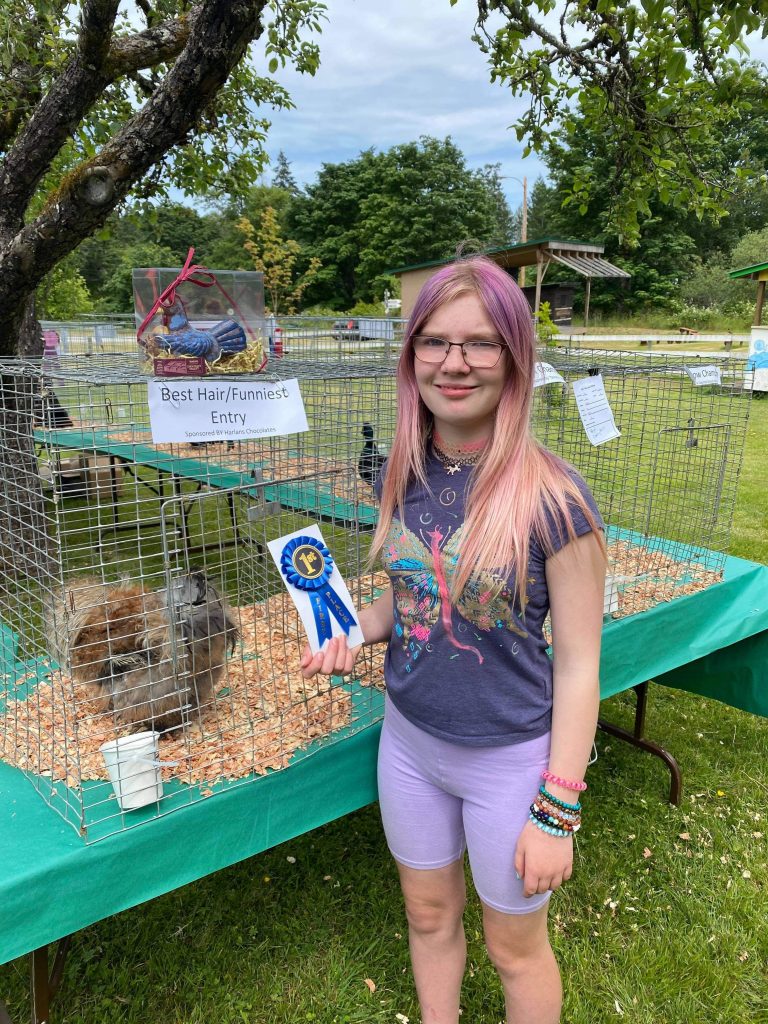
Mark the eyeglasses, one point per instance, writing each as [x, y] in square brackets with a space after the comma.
[479, 354]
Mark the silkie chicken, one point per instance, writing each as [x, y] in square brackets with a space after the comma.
[150, 657]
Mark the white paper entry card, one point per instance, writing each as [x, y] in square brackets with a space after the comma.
[595, 410]
[701, 375]
[183, 410]
[545, 373]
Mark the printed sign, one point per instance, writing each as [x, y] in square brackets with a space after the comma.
[756, 375]
[595, 410]
[544, 373]
[701, 375]
[316, 586]
[215, 410]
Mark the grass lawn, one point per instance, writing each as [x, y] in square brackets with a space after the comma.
[664, 922]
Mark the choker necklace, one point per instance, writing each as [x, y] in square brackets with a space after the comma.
[456, 457]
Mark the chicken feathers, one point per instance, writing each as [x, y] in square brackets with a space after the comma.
[151, 657]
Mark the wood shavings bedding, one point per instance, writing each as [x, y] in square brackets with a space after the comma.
[648, 576]
[264, 711]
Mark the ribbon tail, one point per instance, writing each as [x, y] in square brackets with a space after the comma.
[335, 604]
[322, 622]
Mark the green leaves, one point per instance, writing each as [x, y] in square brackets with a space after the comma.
[658, 78]
[413, 203]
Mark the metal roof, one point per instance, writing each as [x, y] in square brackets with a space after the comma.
[589, 265]
[586, 258]
[749, 271]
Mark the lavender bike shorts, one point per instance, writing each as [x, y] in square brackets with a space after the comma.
[439, 798]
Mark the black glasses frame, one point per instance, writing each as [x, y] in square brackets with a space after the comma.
[456, 344]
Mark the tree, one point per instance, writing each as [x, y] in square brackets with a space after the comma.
[226, 241]
[116, 293]
[415, 202]
[283, 177]
[672, 244]
[63, 295]
[97, 111]
[663, 253]
[276, 258]
[659, 79]
[94, 110]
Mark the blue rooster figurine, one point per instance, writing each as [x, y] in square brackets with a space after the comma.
[182, 339]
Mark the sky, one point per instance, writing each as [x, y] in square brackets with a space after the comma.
[392, 71]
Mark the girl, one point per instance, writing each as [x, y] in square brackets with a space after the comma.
[485, 739]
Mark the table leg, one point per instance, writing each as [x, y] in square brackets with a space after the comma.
[637, 739]
[43, 986]
[57, 971]
[114, 492]
[41, 993]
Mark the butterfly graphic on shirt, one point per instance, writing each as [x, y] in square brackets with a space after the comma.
[421, 579]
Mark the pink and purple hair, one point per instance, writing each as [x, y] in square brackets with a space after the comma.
[517, 481]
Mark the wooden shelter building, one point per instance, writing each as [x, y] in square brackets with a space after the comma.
[584, 258]
[757, 273]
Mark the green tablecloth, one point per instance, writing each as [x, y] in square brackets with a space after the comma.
[689, 642]
[714, 642]
[52, 884]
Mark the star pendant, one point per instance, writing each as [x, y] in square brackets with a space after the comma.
[453, 469]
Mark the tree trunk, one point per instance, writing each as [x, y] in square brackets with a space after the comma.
[30, 332]
[26, 547]
[217, 42]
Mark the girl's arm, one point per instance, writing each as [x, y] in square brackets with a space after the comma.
[337, 658]
[576, 582]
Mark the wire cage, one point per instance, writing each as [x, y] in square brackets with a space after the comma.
[302, 338]
[139, 593]
[667, 485]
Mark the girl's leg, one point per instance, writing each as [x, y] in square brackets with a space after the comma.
[423, 825]
[434, 905]
[519, 948]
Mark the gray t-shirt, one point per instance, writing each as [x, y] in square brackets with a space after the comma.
[477, 674]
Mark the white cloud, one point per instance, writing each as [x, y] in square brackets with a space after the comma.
[391, 72]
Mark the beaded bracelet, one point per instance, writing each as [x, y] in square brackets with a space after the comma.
[556, 800]
[565, 783]
[549, 829]
[550, 819]
[545, 805]
[561, 819]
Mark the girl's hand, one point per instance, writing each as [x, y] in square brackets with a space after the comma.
[542, 861]
[336, 658]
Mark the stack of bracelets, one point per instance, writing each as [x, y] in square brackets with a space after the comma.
[555, 816]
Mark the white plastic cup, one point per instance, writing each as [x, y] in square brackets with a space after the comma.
[134, 769]
[611, 595]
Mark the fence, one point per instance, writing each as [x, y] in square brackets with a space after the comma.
[295, 337]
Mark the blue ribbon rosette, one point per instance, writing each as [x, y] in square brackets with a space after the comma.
[307, 565]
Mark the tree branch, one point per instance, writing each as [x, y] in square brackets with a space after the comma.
[147, 11]
[145, 49]
[217, 42]
[70, 97]
[96, 25]
[518, 15]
